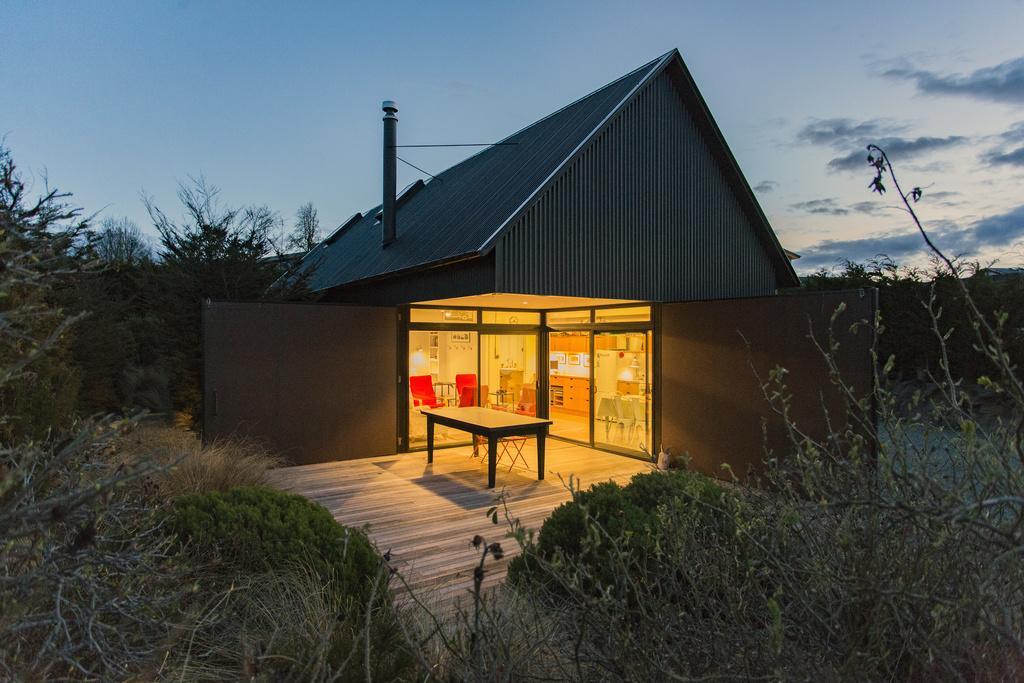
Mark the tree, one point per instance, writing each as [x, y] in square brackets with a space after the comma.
[306, 233]
[120, 242]
[41, 247]
[214, 252]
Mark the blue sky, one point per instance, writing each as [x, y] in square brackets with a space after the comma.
[279, 104]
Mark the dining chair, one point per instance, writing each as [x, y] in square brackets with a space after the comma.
[606, 412]
[527, 404]
[625, 415]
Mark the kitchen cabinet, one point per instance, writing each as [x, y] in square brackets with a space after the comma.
[570, 344]
[571, 394]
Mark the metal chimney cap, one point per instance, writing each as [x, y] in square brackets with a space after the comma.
[389, 106]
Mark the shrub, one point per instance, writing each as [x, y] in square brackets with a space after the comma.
[256, 528]
[608, 515]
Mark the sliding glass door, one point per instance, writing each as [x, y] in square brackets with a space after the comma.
[622, 390]
[440, 362]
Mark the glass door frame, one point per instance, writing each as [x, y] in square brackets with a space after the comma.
[650, 327]
[648, 389]
[542, 331]
[405, 326]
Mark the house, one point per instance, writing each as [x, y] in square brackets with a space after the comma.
[607, 267]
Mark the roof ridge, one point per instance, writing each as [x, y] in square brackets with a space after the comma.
[648, 65]
[559, 110]
[653, 67]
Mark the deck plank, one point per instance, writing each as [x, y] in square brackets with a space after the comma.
[426, 515]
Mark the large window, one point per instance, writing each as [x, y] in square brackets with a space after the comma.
[441, 364]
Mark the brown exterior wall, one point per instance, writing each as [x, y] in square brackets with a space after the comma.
[711, 403]
[316, 382]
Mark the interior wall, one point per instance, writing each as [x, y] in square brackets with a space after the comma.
[711, 403]
[315, 382]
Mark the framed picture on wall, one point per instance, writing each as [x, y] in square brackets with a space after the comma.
[558, 356]
[460, 337]
[573, 359]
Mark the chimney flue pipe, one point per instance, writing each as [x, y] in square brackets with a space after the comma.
[390, 170]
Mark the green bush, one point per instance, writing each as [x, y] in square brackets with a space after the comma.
[257, 528]
[610, 516]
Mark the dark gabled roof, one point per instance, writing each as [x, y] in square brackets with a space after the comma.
[456, 214]
[460, 213]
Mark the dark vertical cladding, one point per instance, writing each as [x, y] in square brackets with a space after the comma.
[390, 171]
[315, 382]
[465, 278]
[643, 212]
[716, 354]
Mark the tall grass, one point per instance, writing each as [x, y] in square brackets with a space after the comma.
[191, 467]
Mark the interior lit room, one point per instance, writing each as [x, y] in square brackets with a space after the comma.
[593, 382]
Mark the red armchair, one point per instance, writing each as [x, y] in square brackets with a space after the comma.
[422, 389]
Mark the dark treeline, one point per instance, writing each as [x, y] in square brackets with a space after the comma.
[135, 341]
[910, 337]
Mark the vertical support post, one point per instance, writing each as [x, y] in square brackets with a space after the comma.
[541, 433]
[430, 439]
[492, 459]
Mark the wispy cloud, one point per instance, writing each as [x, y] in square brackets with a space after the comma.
[766, 186]
[1005, 153]
[852, 138]
[1014, 157]
[896, 148]
[841, 133]
[830, 206]
[1003, 82]
[1001, 230]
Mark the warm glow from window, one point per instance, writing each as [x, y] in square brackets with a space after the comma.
[452, 316]
[511, 318]
[628, 314]
[568, 317]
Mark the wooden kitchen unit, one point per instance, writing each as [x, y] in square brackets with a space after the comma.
[570, 394]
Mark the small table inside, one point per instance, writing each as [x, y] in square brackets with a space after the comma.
[491, 424]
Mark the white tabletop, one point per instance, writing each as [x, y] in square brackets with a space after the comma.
[485, 418]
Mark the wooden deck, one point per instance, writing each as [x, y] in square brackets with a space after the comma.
[426, 515]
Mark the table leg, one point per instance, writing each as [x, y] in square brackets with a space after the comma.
[492, 460]
[430, 440]
[541, 433]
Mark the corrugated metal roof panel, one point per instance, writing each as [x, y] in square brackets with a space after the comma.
[456, 213]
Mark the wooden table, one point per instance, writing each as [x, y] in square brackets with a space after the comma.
[492, 424]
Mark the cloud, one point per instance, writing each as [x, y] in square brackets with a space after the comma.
[842, 133]
[1000, 230]
[1004, 153]
[868, 207]
[852, 137]
[1014, 157]
[766, 186]
[897, 149]
[1014, 133]
[942, 198]
[1000, 83]
[828, 206]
